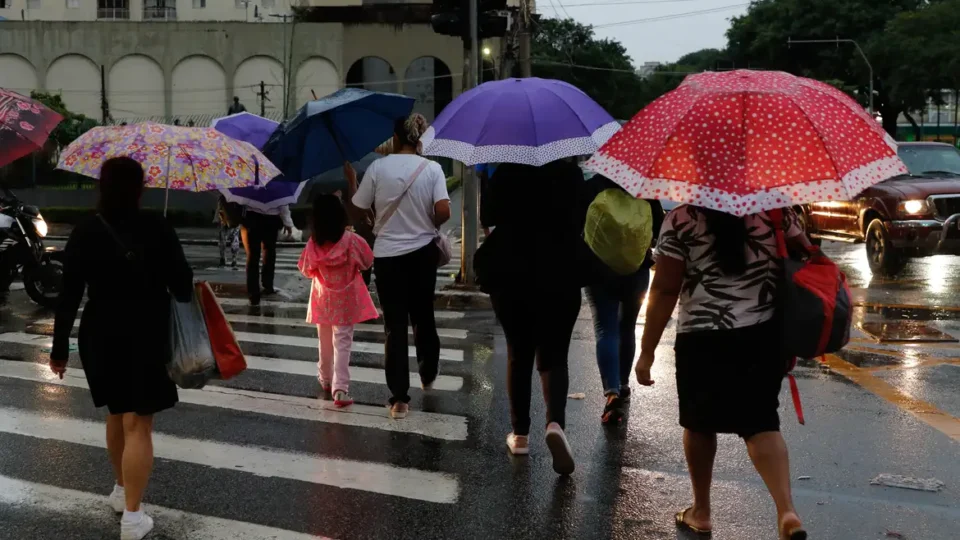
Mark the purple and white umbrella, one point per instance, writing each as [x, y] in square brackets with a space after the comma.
[256, 130]
[529, 121]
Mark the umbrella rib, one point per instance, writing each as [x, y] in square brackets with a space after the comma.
[820, 139]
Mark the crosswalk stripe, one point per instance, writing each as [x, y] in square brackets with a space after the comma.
[342, 473]
[441, 271]
[292, 271]
[357, 373]
[440, 314]
[70, 502]
[453, 333]
[433, 425]
[451, 355]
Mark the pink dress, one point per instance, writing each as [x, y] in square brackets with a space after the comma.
[338, 296]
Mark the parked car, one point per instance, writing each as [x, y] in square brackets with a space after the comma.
[913, 215]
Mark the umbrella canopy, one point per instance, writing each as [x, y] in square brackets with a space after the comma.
[25, 125]
[256, 130]
[743, 142]
[528, 121]
[182, 158]
[344, 126]
[246, 127]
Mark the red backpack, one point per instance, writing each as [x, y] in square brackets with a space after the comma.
[814, 307]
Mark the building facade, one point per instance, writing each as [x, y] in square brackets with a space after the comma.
[188, 62]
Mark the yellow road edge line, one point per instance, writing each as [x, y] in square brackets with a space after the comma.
[923, 411]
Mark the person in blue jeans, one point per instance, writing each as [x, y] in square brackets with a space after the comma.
[615, 302]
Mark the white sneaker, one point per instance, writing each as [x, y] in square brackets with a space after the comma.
[519, 445]
[117, 499]
[560, 450]
[427, 386]
[399, 410]
[130, 530]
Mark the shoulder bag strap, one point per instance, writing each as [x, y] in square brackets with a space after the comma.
[392, 209]
[129, 254]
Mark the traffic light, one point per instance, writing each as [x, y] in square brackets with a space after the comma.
[452, 18]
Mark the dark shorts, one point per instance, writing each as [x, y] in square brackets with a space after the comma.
[729, 381]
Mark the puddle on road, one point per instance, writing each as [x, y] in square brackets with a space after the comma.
[905, 332]
[895, 312]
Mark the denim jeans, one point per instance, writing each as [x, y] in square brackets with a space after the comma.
[616, 306]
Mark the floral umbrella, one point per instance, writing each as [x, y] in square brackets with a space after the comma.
[743, 142]
[173, 157]
[25, 125]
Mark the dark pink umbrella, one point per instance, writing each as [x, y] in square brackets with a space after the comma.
[25, 125]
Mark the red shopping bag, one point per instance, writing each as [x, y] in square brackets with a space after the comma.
[226, 350]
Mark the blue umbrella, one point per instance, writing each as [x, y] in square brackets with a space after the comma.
[344, 126]
[256, 130]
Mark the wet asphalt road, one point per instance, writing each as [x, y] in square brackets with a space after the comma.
[255, 458]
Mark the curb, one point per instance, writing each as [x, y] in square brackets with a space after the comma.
[458, 298]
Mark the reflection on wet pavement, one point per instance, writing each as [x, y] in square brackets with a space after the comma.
[905, 331]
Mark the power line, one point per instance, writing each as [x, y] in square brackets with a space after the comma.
[613, 70]
[627, 3]
[673, 16]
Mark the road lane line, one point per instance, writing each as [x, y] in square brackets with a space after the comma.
[452, 333]
[292, 271]
[170, 523]
[433, 425]
[445, 383]
[272, 463]
[923, 411]
[302, 306]
[450, 355]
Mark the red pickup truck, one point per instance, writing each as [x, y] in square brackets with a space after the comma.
[913, 215]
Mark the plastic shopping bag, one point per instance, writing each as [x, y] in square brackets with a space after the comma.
[295, 235]
[192, 363]
[226, 349]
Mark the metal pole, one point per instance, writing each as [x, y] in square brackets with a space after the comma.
[838, 41]
[104, 108]
[523, 49]
[471, 183]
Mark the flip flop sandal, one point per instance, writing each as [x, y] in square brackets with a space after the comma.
[795, 532]
[684, 526]
[612, 413]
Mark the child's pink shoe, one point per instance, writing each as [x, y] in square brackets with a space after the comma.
[325, 386]
[342, 399]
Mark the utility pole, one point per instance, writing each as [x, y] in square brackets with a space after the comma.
[104, 106]
[262, 94]
[526, 70]
[287, 56]
[837, 41]
[470, 221]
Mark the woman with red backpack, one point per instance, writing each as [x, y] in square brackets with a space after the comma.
[724, 271]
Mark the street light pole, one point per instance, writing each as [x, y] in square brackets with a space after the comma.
[286, 61]
[838, 41]
[469, 218]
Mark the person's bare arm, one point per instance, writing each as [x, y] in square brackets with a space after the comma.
[441, 212]
[356, 214]
[664, 294]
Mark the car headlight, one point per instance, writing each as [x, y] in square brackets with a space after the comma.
[40, 225]
[914, 207]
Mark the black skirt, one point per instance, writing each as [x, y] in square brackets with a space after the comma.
[728, 381]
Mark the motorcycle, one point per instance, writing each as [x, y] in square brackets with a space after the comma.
[22, 252]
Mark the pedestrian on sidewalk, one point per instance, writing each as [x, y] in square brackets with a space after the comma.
[259, 231]
[227, 235]
[339, 299]
[615, 303]
[532, 267]
[127, 261]
[723, 269]
[409, 193]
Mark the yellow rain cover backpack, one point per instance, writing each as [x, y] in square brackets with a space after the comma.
[619, 230]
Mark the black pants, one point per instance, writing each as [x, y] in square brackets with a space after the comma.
[538, 326]
[405, 285]
[260, 230]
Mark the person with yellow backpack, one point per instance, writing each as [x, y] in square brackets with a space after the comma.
[619, 229]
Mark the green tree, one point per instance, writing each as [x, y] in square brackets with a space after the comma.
[569, 51]
[758, 39]
[73, 124]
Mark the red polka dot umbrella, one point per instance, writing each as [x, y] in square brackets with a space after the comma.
[747, 141]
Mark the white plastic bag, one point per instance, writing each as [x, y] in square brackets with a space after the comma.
[192, 363]
[295, 235]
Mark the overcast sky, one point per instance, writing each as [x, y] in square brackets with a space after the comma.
[662, 40]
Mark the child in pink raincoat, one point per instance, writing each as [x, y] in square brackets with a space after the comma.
[339, 299]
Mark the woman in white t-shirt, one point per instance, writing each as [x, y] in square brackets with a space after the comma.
[405, 256]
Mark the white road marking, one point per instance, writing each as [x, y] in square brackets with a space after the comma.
[452, 333]
[301, 306]
[170, 523]
[433, 425]
[16, 286]
[357, 373]
[452, 355]
[342, 473]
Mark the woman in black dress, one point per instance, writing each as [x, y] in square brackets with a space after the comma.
[130, 263]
